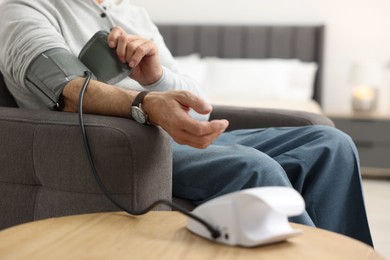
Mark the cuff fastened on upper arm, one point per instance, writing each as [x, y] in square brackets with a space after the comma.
[48, 74]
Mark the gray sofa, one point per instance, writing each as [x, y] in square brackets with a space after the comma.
[44, 171]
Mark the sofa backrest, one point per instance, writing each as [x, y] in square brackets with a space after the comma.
[6, 99]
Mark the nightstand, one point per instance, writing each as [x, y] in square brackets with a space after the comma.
[371, 134]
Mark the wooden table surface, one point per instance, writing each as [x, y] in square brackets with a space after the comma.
[158, 235]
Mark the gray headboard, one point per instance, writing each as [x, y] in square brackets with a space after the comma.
[249, 41]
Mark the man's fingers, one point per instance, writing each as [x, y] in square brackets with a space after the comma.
[170, 111]
[121, 49]
[115, 33]
[198, 134]
[139, 49]
[131, 48]
[205, 140]
[188, 99]
[205, 128]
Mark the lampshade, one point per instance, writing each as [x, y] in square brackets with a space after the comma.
[366, 80]
[367, 73]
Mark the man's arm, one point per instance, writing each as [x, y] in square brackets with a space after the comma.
[100, 98]
[166, 109]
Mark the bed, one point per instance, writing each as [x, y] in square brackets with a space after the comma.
[252, 65]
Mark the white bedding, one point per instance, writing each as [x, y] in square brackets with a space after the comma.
[308, 105]
[270, 83]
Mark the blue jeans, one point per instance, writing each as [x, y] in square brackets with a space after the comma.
[320, 162]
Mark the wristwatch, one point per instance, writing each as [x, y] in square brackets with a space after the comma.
[137, 112]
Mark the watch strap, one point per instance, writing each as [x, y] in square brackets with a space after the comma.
[139, 98]
[137, 104]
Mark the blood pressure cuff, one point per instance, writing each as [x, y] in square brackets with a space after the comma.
[48, 74]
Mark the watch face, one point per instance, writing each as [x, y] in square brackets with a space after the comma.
[138, 115]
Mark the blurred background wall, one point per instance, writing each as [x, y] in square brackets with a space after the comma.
[356, 31]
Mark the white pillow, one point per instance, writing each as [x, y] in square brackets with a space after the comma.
[240, 77]
[263, 79]
[302, 81]
[193, 66]
[251, 78]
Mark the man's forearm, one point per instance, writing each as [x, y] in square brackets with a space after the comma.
[166, 109]
[99, 98]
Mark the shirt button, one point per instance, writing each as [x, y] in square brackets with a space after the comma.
[103, 15]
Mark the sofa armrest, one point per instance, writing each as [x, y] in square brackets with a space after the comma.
[45, 171]
[244, 117]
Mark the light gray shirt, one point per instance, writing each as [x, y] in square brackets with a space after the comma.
[30, 27]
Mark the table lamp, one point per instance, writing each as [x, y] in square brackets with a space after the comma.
[366, 80]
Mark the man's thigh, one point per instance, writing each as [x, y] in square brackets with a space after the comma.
[201, 174]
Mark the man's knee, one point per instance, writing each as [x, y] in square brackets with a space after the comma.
[241, 168]
[255, 168]
[336, 148]
[332, 137]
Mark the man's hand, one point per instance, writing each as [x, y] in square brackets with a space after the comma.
[141, 55]
[166, 109]
[170, 111]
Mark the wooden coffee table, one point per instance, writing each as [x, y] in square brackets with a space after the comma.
[158, 235]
